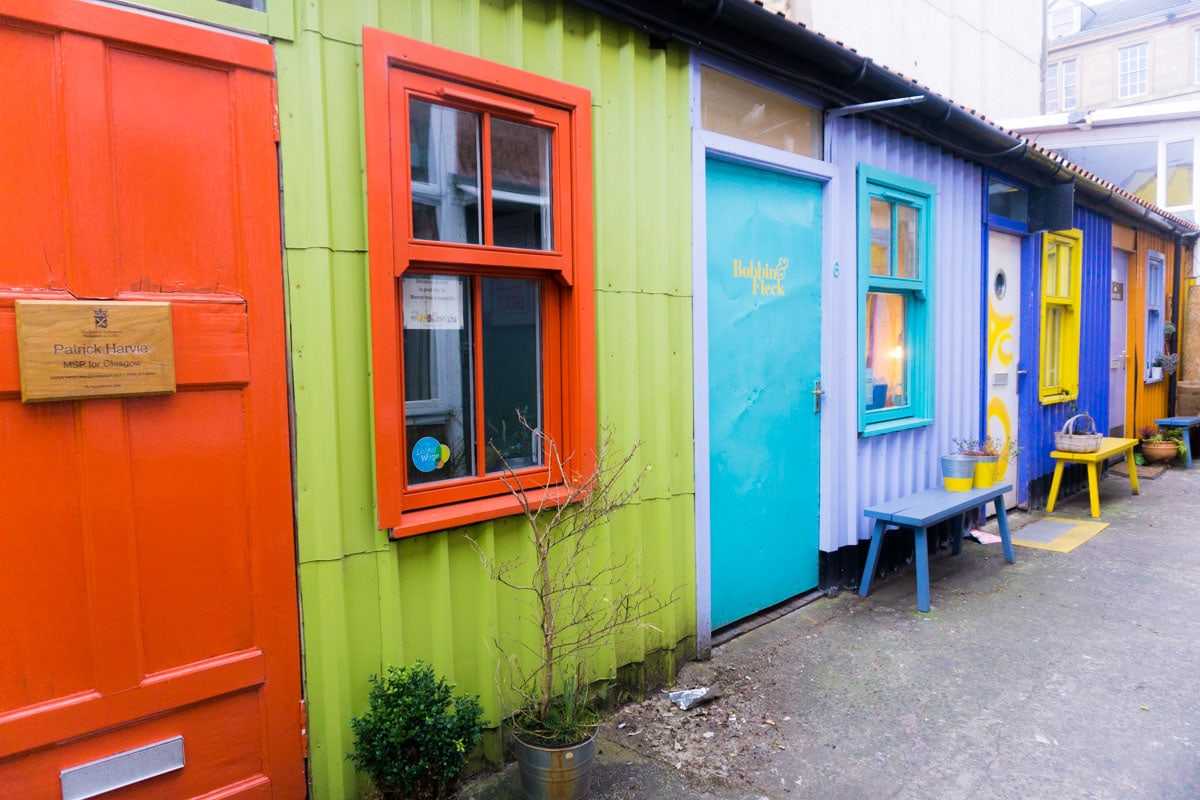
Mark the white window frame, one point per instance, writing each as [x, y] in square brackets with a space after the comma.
[1061, 94]
[1139, 55]
[1070, 99]
[1052, 96]
[1156, 300]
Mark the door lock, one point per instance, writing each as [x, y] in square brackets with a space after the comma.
[816, 393]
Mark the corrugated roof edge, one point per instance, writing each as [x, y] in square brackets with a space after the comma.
[744, 31]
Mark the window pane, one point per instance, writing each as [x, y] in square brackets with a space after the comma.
[887, 356]
[1053, 355]
[1050, 272]
[512, 371]
[738, 108]
[881, 237]
[907, 242]
[438, 389]
[1050, 88]
[1008, 201]
[521, 186]
[1179, 173]
[1132, 166]
[444, 146]
[1069, 99]
[1064, 271]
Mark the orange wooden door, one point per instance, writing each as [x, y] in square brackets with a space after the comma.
[147, 563]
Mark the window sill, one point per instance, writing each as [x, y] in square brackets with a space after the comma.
[1053, 399]
[456, 515]
[891, 426]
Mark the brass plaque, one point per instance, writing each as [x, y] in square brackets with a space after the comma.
[70, 350]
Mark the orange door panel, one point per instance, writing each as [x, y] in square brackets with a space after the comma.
[147, 565]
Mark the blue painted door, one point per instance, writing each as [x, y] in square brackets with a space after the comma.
[764, 357]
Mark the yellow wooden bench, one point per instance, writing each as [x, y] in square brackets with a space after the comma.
[1109, 448]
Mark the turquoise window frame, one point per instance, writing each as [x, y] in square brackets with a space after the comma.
[874, 182]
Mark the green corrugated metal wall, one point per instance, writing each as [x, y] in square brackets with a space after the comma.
[368, 603]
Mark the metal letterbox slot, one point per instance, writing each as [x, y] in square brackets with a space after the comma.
[122, 769]
[999, 379]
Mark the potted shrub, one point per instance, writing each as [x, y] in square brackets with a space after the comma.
[579, 599]
[1160, 445]
[414, 739]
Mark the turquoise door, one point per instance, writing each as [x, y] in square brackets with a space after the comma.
[764, 357]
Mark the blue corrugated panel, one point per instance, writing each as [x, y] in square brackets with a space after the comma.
[879, 468]
[1041, 421]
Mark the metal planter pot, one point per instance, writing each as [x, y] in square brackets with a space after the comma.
[556, 773]
[958, 472]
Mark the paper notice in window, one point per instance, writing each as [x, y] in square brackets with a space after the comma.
[432, 303]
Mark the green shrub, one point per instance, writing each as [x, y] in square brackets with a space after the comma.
[414, 739]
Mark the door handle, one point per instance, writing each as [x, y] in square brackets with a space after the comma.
[816, 393]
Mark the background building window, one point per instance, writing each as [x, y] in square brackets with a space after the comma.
[895, 241]
[1062, 265]
[1133, 70]
[1061, 86]
[1064, 21]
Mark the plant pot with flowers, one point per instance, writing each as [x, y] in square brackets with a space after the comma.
[991, 455]
[1161, 445]
[580, 600]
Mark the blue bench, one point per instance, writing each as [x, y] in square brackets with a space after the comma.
[923, 510]
[1185, 424]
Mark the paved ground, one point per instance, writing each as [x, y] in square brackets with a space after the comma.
[1062, 676]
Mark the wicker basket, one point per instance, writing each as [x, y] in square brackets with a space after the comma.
[1078, 435]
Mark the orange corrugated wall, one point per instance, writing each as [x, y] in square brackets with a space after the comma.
[1147, 402]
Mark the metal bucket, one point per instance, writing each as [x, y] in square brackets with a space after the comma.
[958, 472]
[556, 773]
[986, 468]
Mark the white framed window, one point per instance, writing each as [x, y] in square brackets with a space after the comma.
[1133, 70]
[1064, 21]
[1156, 293]
[1061, 86]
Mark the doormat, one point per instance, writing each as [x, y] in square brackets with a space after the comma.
[1060, 534]
[1147, 471]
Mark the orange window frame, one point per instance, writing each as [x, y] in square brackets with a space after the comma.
[397, 69]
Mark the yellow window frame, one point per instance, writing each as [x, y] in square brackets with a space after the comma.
[1062, 282]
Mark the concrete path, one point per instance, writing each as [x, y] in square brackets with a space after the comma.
[1066, 675]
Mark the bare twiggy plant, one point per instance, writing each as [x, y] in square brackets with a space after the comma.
[581, 597]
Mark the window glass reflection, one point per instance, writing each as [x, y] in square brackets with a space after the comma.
[521, 208]
[881, 237]
[512, 372]
[1132, 166]
[1179, 173]
[444, 162]
[907, 251]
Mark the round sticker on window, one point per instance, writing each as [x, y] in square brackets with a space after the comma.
[429, 454]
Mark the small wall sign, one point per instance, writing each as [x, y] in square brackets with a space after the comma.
[1118, 290]
[77, 349]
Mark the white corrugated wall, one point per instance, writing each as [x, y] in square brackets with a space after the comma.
[860, 471]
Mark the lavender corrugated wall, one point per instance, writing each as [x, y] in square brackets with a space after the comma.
[1039, 422]
[862, 471]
